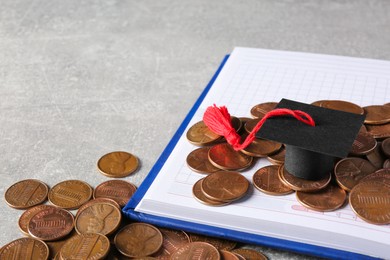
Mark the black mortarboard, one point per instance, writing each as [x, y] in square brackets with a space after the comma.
[311, 150]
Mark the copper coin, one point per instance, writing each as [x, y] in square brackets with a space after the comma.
[70, 194]
[250, 125]
[118, 190]
[382, 175]
[85, 246]
[363, 144]
[250, 254]
[243, 120]
[342, 106]
[223, 156]
[101, 218]
[198, 161]
[218, 243]
[370, 200]
[299, 184]
[379, 131]
[386, 147]
[377, 115]
[26, 193]
[386, 164]
[376, 157]
[317, 103]
[201, 197]
[260, 110]
[50, 223]
[330, 198]
[387, 104]
[199, 134]
[27, 215]
[349, 171]
[95, 201]
[278, 157]
[138, 240]
[196, 250]
[25, 248]
[261, 148]
[55, 246]
[172, 241]
[117, 164]
[225, 186]
[267, 180]
[236, 123]
[226, 255]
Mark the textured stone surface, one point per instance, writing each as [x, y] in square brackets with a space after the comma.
[82, 78]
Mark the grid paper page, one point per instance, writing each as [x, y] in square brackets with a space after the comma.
[250, 77]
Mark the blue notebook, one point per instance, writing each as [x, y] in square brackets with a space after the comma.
[245, 78]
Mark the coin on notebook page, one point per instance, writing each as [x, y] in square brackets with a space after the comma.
[202, 198]
[382, 175]
[267, 180]
[278, 157]
[102, 218]
[118, 164]
[86, 246]
[25, 248]
[385, 145]
[370, 200]
[196, 250]
[26, 193]
[261, 109]
[223, 156]
[261, 148]
[250, 253]
[299, 184]
[225, 186]
[349, 171]
[318, 103]
[342, 105]
[50, 224]
[251, 124]
[379, 131]
[363, 144]
[376, 157]
[199, 134]
[27, 215]
[138, 240]
[118, 190]
[198, 161]
[172, 241]
[330, 198]
[218, 243]
[377, 115]
[70, 194]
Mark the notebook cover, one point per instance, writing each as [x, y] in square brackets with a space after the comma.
[238, 236]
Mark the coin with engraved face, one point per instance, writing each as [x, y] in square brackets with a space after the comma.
[117, 164]
[342, 105]
[261, 148]
[202, 198]
[260, 110]
[26, 193]
[24, 248]
[70, 194]
[198, 161]
[267, 180]
[299, 184]
[27, 215]
[172, 241]
[119, 190]
[363, 144]
[85, 246]
[199, 134]
[224, 157]
[330, 198]
[196, 250]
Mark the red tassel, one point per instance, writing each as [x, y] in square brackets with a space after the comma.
[218, 120]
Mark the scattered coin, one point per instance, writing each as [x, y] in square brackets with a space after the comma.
[70, 194]
[363, 144]
[50, 224]
[376, 157]
[299, 184]
[218, 243]
[386, 147]
[330, 198]
[198, 161]
[172, 241]
[55, 246]
[25, 248]
[342, 106]
[26, 193]
[224, 157]
[250, 125]
[370, 200]
[98, 200]
[379, 131]
[349, 171]
[377, 115]
[202, 198]
[226, 255]
[199, 134]
[27, 215]
[85, 246]
[196, 250]
[138, 240]
[118, 190]
[267, 180]
[236, 123]
[382, 175]
[225, 186]
[101, 218]
[260, 110]
[262, 148]
[117, 164]
[278, 157]
[250, 254]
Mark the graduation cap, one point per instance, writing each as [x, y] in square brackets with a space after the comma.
[310, 149]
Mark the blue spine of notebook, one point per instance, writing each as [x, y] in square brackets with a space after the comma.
[238, 236]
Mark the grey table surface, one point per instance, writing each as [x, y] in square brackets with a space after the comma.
[81, 78]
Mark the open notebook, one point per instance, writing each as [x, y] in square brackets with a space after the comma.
[246, 78]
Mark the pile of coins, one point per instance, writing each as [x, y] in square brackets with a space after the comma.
[363, 177]
[97, 230]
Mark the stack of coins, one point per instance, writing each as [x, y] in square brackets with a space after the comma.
[363, 174]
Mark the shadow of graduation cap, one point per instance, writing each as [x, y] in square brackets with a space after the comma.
[310, 149]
